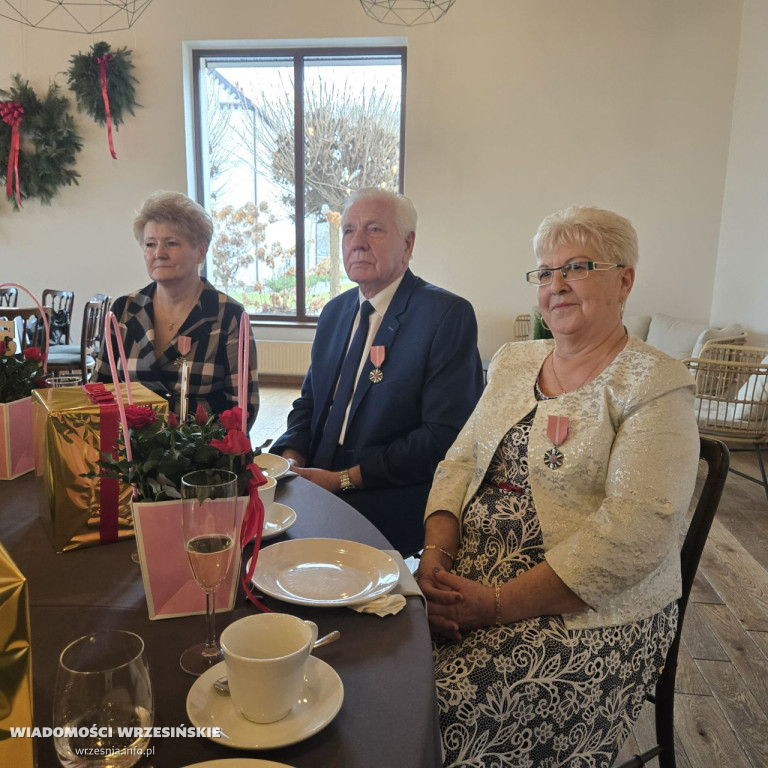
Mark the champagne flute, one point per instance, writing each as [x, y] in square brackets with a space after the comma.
[103, 701]
[209, 522]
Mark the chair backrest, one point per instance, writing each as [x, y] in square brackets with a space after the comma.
[62, 302]
[8, 296]
[93, 328]
[715, 454]
[29, 329]
[521, 328]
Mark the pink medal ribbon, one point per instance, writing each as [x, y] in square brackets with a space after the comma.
[557, 433]
[103, 62]
[378, 354]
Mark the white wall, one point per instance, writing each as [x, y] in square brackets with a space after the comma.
[742, 270]
[514, 109]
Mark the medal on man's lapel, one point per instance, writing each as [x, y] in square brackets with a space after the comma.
[557, 432]
[377, 358]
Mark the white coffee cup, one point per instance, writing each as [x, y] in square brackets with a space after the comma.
[266, 655]
[267, 493]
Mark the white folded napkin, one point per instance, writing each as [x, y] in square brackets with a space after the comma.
[394, 601]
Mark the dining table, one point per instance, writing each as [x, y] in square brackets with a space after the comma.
[388, 717]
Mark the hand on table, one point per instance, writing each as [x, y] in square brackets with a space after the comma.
[322, 477]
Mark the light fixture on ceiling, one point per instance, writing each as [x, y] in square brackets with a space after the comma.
[406, 12]
[84, 16]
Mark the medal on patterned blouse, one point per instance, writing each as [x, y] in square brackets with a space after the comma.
[377, 358]
[557, 432]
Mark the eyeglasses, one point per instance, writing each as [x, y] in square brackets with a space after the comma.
[576, 270]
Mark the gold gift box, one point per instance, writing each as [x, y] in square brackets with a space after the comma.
[15, 666]
[66, 423]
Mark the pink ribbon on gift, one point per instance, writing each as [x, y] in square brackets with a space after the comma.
[103, 62]
[109, 487]
[11, 112]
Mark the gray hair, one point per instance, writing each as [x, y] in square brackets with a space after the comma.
[612, 236]
[186, 217]
[405, 213]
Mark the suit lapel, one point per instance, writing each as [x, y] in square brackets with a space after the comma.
[385, 336]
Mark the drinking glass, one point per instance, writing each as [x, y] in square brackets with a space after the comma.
[209, 521]
[102, 701]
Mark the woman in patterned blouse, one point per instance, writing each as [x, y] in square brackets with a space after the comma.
[551, 564]
[180, 307]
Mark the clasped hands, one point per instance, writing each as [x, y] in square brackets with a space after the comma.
[454, 604]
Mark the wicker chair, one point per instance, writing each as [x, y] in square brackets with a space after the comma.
[521, 328]
[732, 399]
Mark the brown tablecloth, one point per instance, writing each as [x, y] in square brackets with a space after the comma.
[389, 715]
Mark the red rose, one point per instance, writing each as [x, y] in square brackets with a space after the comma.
[235, 441]
[232, 419]
[172, 420]
[201, 416]
[33, 353]
[140, 416]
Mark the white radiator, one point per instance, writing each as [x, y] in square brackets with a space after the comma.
[283, 358]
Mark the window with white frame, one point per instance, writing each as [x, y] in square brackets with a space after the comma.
[282, 137]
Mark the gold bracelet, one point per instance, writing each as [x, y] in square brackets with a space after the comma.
[441, 550]
[498, 605]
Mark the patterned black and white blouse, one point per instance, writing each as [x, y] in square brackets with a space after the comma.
[213, 327]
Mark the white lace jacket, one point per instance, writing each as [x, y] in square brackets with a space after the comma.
[610, 514]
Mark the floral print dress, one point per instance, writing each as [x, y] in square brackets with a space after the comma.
[534, 694]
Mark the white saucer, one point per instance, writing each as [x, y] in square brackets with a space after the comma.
[239, 762]
[277, 519]
[272, 465]
[320, 701]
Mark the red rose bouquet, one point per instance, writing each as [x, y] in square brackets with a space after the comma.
[19, 374]
[164, 450]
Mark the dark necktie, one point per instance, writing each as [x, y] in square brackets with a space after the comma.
[330, 439]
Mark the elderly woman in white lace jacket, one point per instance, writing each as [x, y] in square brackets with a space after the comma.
[552, 525]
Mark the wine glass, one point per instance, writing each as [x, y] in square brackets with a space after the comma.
[209, 522]
[103, 701]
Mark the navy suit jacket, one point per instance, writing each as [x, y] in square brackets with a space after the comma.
[401, 427]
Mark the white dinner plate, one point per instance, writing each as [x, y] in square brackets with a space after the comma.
[272, 464]
[318, 704]
[324, 572]
[277, 519]
[239, 762]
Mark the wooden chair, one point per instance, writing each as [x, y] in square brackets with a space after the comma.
[28, 329]
[8, 297]
[716, 455]
[521, 327]
[732, 399]
[60, 301]
[67, 358]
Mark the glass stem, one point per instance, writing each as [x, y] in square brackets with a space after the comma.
[210, 622]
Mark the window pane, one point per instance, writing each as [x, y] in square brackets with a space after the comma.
[347, 134]
[253, 255]
[352, 140]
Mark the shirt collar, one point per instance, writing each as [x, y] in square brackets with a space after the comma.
[382, 299]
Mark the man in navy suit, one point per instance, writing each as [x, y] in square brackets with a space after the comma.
[415, 376]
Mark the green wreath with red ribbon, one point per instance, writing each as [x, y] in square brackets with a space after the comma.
[103, 85]
[39, 142]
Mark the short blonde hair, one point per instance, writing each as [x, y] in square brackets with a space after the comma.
[186, 217]
[612, 236]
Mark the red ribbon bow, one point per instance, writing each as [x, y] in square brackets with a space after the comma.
[103, 62]
[12, 112]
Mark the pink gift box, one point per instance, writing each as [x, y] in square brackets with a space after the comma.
[17, 451]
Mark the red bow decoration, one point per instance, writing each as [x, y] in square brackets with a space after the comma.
[12, 112]
[103, 62]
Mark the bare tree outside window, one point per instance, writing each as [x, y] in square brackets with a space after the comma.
[351, 138]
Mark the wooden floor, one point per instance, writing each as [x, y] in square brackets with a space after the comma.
[721, 709]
